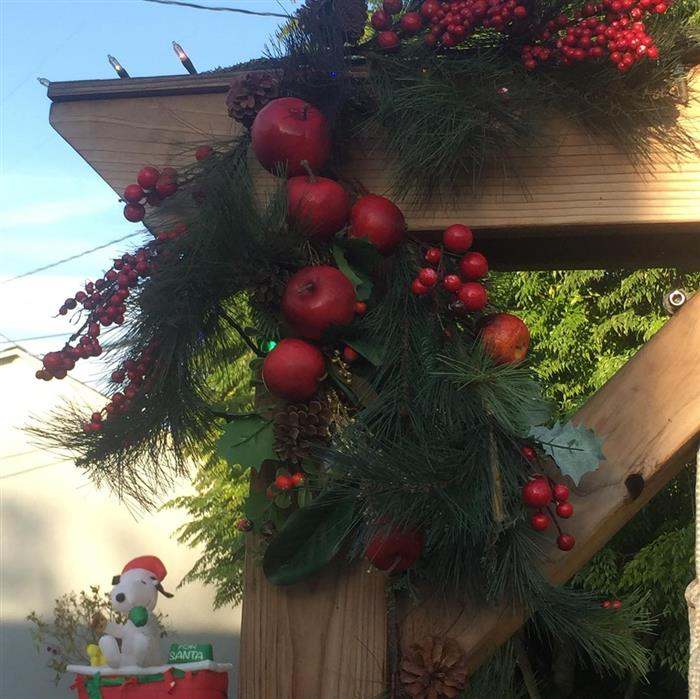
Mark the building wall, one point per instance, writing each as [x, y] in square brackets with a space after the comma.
[59, 533]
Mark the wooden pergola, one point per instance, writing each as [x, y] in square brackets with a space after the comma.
[585, 206]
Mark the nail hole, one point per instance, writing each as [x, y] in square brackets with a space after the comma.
[634, 484]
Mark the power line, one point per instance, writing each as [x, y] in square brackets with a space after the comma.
[68, 259]
[39, 337]
[33, 468]
[221, 9]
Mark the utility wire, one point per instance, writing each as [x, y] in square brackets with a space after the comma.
[68, 259]
[33, 468]
[221, 9]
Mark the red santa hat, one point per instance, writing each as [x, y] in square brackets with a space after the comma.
[152, 564]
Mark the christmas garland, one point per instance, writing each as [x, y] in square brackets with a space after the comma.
[395, 417]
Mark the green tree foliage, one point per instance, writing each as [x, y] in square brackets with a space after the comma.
[585, 326]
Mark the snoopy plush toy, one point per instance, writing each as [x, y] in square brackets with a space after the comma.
[134, 595]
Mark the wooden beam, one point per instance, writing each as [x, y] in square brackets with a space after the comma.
[648, 415]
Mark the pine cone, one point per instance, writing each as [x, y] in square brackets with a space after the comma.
[348, 15]
[434, 668]
[270, 287]
[301, 425]
[249, 93]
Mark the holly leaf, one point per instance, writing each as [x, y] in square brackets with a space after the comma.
[369, 349]
[362, 283]
[310, 538]
[246, 441]
[575, 448]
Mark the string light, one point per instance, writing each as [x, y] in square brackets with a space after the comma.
[184, 58]
[118, 67]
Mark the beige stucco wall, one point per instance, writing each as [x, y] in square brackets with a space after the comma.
[59, 533]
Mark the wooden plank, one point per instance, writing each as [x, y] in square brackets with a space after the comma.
[325, 638]
[585, 203]
[648, 415]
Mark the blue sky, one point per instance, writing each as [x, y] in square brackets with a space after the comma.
[52, 205]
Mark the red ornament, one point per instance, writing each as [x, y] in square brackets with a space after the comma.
[133, 194]
[537, 493]
[319, 206]
[561, 492]
[379, 220]
[388, 40]
[428, 276]
[286, 132]
[284, 482]
[350, 355]
[148, 177]
[473, 266]
[380, 20]
[505, 337]
[392, 7]
[539, 521]
[411, 23]
[317, 298]
[433, 256]
[418, 288]
[203, 152]
[394, 550]
[134, 212]
[293, 369]
[566, 542]
[360, 308]
[458, 238]
[473, 295]
[565, 510]
[529, 454]
[452, 283]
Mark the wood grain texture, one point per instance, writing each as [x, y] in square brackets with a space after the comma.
[578, 188]
[648, 415]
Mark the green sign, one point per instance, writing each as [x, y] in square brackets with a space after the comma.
[190, 653]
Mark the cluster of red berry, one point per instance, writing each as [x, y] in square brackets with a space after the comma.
[540, 492]
[468, 294]
[152, 186]
[612, 29]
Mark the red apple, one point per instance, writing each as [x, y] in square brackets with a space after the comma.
[287, 131]
[379, 220]
[388, 40]
[293, 370]
[411, 23]
[505, 338]
[394, 550]
[317, 298]
[319, 206]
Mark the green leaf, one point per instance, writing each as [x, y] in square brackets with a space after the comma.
[362, 284]
[310, 538]
[361, 254]
[368, 348]
[283, 501]
[246, 441]
[575, 448]
[255, 506]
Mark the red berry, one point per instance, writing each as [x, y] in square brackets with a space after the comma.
[360, 308]
[561, 492]
[411, 23]
[392, 7]
[452, 283]
[458, 238]
[616, 604]
[133, 194]
[297, 479]
[473, 295]
[203, 152]
[565, 510]
[380, 20]
[433, 255]
[430, 8]
[536, 492]
[96, 417]
[565, 542]
[539, 521]
[428, 276]
[284, 482]
[473, 266]
[606, 604]
[520, 12]
[418, 288]
[529, 454]
[388, 40]
[134, 212]
[147, 177]
[166, 186]
[349, 354]
[53, 360]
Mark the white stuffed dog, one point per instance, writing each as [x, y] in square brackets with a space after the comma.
[134, 594]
